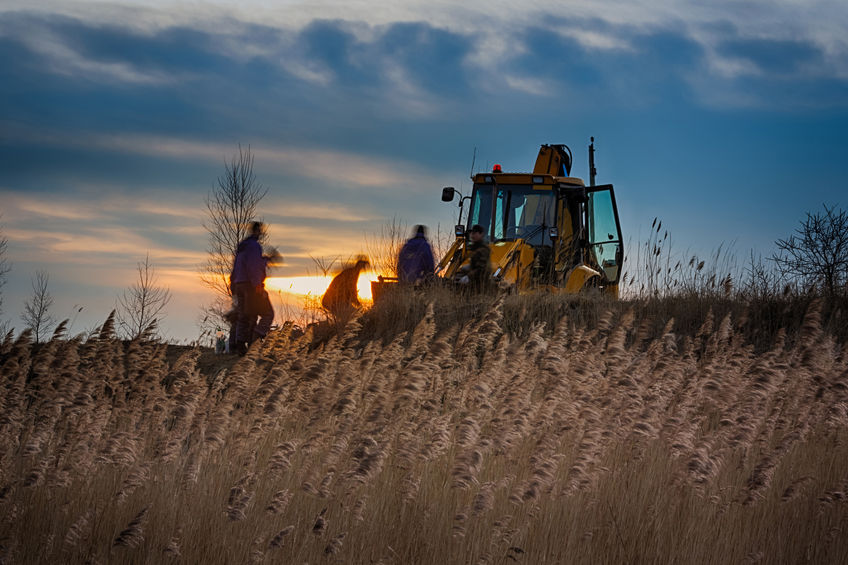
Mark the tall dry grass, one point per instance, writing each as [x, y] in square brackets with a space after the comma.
[508, 433]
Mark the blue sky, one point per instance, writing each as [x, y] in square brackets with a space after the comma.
[727, 121]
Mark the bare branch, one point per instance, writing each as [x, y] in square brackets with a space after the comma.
[383, 248]
[36, 313]
[816, 255]
[141, 307]
[230, 207]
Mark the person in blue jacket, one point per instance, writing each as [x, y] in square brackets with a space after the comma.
[415, 260]
[247, 283]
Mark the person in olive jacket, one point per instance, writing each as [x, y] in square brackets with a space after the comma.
[478, 272]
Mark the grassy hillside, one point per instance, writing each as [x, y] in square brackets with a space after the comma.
[491, 431]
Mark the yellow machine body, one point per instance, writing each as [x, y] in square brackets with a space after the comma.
[546, 230]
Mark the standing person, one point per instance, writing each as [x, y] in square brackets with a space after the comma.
[477, 274]
[415, 260]
[341, 298]
[247, 283]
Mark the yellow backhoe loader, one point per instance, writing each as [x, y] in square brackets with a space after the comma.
[546, 230]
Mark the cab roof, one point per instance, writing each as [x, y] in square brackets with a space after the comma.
[525, 178]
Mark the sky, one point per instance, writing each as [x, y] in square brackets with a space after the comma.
[727, 120]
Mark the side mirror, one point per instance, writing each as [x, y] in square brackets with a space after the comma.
[459, 230]
[553, 233]
[447, 193]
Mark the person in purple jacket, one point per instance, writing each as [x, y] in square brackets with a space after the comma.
[247, 283]
[415, 260]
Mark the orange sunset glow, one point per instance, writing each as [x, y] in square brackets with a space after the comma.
[316, 285]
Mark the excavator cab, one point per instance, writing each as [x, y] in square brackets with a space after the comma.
[518, 212]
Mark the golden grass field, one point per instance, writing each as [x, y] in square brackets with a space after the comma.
[627, 440]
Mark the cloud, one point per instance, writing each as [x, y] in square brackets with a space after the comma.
[92, 202]
[775, 58]
[306, 211]
[91, 228]
[818, 21]
[59, 56]
[343, 168]
[248, 76]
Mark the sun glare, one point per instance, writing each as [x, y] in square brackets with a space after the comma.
[317, 285]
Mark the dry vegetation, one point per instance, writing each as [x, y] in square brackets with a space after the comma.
[593, 433]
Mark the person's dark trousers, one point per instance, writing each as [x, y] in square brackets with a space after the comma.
[248, 308]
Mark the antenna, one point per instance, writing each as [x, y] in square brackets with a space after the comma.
[592, 170]
[473, 160]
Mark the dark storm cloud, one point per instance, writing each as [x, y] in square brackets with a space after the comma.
[392, 90]
[650, 67]
[780, 74]
[249, 82]
[775, 57]
[39, 166]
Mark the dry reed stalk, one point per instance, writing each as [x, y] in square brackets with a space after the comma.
[338, 448]
[439, 442]
[35, 476]
[279, 502]
[422, 335]
[78, 531]
[795, 488]
[278, 540]
[368, 457]
[172, 549]
[324, 487]
[359, 507]
[257, 551]
[484, 499]
[191, 473]
[281, 460]
[216, 430]
[441, 349]
[240, 497]
[481, 337]
[134, 480]
[467, 465]
[458, 529]
[407, 440]
[410, 389]
[702, 465]
[410, 486]
[834, 495]
[320, 525]
[335, 545]
[494, 360]
[467, 433]
[133, 535]
[346, 401]
[761, 477]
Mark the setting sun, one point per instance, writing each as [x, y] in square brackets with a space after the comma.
[317, 285]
